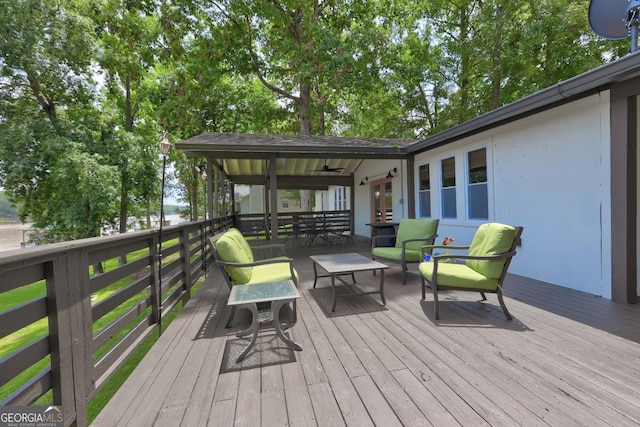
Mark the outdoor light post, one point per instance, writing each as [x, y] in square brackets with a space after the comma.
[165, 147]
[203, 175]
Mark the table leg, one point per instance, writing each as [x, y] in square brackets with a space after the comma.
[275, 311]
[315, 274]
[382, 287]
[333, 290]
[253, 329]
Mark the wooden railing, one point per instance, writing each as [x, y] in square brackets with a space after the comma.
[87, 305]
[297, 225]
[90, 309]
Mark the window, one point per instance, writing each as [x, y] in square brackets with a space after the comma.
[477, 191]
[339, 199]
[448, 172]
[285, 203]
[425, 192]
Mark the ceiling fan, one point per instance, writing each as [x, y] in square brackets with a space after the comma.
[326, 168]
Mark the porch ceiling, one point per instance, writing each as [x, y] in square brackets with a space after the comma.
[299, 160]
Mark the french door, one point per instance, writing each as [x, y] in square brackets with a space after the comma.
[381, 201]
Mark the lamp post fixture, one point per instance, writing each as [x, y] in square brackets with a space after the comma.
[203, 174]
[165, 148]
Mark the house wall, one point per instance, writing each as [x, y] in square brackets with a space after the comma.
[550, 174]
[376, 169]
[326, 199]
[254, 203]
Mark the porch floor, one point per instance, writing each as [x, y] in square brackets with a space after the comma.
[568, 358]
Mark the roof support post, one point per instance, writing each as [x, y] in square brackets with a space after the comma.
[352, 205]
[273, 186]
[411, 187]
[624, 196]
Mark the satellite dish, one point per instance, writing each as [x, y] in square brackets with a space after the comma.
[606, 18]
[615, 19]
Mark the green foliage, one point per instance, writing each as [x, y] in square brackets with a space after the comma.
[88, 87]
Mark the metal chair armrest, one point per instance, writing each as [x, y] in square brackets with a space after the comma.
[426, 248]
[255, 263]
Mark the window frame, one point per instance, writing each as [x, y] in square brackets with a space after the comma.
[452, 188]
[428, 191]
[469, 184]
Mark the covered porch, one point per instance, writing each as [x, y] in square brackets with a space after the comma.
[567, 358]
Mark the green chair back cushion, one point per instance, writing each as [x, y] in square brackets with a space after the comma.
[415, 229]
[491, 239]
[230, 248]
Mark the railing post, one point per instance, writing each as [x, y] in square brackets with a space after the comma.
[153, 262]
[69, 307]
[184, 255]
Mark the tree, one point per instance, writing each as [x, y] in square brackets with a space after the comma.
[50, 127]
[128, 34]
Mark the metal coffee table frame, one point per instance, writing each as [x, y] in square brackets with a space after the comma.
[338, 265]
[248, 296]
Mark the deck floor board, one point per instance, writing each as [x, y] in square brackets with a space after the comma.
[568, 358]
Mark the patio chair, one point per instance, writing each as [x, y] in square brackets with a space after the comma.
[242, 264]
[411, 235]
[484, 268]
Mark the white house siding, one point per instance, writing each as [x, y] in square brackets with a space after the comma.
[254, 203]
[376, 169]
[326, 199]
[549, 173]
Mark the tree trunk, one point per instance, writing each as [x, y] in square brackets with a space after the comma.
[305, 129]
[496, 74]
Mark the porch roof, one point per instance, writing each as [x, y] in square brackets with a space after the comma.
[299, 160]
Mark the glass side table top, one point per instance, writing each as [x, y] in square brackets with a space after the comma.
[261, 292]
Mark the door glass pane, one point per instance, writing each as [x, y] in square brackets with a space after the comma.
[388, 202]
[377, 202]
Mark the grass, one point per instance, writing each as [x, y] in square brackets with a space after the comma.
[37, 330]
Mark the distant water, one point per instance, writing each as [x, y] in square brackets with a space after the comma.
[11, 235]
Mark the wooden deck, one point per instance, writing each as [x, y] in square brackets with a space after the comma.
[567, 358]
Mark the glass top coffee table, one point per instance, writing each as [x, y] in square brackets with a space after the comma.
[337, 265]
[248, 296]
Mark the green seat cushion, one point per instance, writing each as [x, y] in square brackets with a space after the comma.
[415, 229]
[458, 275]
[491, 239]
[272, 273]
[396, 254]
[231, 249]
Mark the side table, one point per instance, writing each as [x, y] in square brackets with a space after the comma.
[248, 296]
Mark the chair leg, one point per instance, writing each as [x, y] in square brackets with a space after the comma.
[436, 305]
[484, 297]
[504, 307]
[404, 273]
[424, 286]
